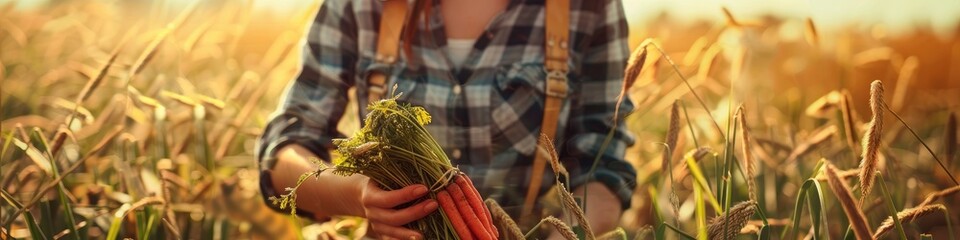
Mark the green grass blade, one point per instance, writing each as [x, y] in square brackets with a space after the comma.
[926, 236]
[149, 228]
[797, 210]
[811, 195]
[41, 143]
[726, 204]
[46, 217]
[701, 213]
[702, 181]
[815, 202]
[849, 234]
[893, 209]
[816, 169]
[34, 154]
[114, 230]
[661, 233]
[68, 211]
[763, 215]
[682, 234]
[141, 219]
[728, 160]
[653, 200]
[35, 231]
[6, 145]
[815, 205]
[764, 233]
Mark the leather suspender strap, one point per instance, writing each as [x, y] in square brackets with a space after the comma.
[556, 54]
[388, 45]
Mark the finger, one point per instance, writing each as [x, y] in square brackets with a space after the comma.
[398, 217]
[387, 199]
[391, 232]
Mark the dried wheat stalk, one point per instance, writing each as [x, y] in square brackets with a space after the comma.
[545, 146]
[849, 124]
[811, 33]
[819, 137]
[950, 138]
[907, 216]
[728, 225]
[634, 66]
[503, 219]
[571, 204]
[824, 106]
[843, 174]
[747, 156]
[673, 132]
[561, 227]
[937, 195]
[631, 73]
[97, 79]
[871, 141]
[858, 221]
[729, 16]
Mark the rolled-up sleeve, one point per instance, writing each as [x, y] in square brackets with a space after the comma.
[592, 108]
[314, 102]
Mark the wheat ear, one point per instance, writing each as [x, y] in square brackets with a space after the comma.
[728, 225]
[747, 156]
[907, 216]
[871, 142]
[858, 221]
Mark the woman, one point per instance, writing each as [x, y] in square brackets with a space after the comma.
[478, 68]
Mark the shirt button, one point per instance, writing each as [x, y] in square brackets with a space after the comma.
[457, 89]
[456, 154]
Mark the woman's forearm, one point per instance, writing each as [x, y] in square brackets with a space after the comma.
[328, 195]
[603, 208]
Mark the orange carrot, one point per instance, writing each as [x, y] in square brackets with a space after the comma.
[476, 202]
[450, 208]
[468, 214]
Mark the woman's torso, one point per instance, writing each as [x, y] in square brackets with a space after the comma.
[486, 113]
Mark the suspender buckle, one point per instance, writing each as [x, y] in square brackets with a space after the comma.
[557, 83]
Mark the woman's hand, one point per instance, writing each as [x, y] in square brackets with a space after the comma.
[355, 195]
[387, 222]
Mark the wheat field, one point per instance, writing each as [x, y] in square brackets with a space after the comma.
[138, 120]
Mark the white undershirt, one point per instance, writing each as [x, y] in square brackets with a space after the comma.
[458, 50]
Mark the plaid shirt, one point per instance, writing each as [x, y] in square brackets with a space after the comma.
[487, 113]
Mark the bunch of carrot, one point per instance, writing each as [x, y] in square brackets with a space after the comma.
[395, 150]
[464, 207]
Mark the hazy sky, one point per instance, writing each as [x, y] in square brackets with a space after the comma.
[896, 15]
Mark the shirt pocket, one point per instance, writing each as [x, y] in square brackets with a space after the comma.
[517, 108]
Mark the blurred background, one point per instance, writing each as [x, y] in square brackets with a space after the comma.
[139, 117]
